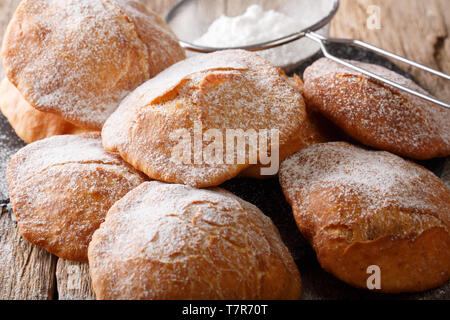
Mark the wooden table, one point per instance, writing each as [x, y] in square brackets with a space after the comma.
[416, 29]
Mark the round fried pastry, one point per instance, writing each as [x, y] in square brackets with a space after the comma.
[361, 208]
[61, 189]
[377, 114]
[166, 241]
[225, 90]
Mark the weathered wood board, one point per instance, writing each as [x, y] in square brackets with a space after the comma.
[73, 281]
[26, 271]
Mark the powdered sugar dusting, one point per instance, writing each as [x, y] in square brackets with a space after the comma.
[376, 181]
[162, 44]
[9, 144]
[166, 241]
[376, 114]
[61, 189]
[223, 90]
[5, 155]
[446, 174]
[83, 57]
[61, 150]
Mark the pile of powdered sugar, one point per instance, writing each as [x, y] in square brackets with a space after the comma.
[258, 26]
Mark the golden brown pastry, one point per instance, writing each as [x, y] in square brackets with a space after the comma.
[223, 90]
[79, 59]
[29, 123]
[315, 129]
[165, 241]
[362, 208]
[376, 114]
[61, 189]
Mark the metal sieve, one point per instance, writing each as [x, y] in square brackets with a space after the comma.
[311, 32]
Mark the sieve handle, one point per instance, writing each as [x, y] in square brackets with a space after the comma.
[324, 40]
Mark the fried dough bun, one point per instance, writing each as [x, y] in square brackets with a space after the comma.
[377, 114]
[225, 90]
[170, 242]
[361, 208]
[315, 129]
[79, 59]
[61, 189]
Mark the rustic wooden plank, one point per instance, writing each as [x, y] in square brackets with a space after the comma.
[160, 6]
[73, 281]
[237, 7]
[26, 271]
[7, 8]
[416, 29]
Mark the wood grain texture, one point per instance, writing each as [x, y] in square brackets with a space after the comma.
[26, 271]
[73, 281]
[416, 29]
[160, 6]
